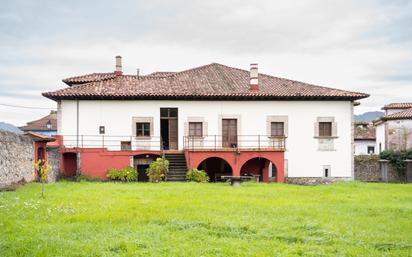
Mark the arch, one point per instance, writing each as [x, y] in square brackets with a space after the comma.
[258, 166]
[215, 167]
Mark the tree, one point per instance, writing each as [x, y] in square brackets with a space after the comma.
[42, 172]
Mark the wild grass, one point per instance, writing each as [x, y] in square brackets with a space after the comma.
[190, 219]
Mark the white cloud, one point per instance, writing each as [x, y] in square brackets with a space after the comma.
[355, 45]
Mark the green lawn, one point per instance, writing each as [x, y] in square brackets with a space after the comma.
[185, 219]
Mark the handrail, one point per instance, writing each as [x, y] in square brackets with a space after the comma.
[216, 142]
[155, 143]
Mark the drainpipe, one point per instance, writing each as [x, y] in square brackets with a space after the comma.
[77, 139]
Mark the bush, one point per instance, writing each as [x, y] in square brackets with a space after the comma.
[157, 170]
[127, 174]
[397, 159]
[196, 175]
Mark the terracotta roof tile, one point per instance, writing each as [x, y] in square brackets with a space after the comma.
[213, 81]
[88, 78]
[368, 133]
[405, 114]
[397, 106]
[41, 124]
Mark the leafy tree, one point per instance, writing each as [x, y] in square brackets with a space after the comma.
[42, 172]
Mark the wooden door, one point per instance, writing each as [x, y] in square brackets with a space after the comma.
[229, 133]
[173, 134]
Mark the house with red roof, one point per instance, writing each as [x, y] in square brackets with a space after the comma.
[224, 120]
[46, 125]
[394, 130]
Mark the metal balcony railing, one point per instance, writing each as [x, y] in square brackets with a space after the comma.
[219, 142]
[114, 143]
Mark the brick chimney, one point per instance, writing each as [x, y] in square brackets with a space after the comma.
[118, 70]
[254, 82]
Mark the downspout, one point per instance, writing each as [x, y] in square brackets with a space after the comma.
[352, 140]
[77, 139]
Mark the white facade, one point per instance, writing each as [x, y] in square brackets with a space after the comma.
[363, 147]
[303, 156]
[394, 134]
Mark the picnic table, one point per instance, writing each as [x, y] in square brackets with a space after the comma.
[236, 180]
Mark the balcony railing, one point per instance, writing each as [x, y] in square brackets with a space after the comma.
[210, 142]
[218, 142]
[114, 143]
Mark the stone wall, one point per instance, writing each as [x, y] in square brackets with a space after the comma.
[367, 168]
[16, 155]
[53, 157]
[313, 180]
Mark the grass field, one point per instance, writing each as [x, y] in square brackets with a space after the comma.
[185, 219]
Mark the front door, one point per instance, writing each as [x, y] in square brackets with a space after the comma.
[169, 128]
[229, 133]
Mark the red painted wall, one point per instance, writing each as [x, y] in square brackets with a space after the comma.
[237, 159]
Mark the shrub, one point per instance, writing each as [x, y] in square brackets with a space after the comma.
[196, 175]
[397, 159]
[157, 170]
[127, 174]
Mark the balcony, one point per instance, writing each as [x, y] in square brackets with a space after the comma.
[205, 143]
[112, 142]
[240, 142]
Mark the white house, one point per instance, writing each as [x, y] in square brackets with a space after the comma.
[365, 139]
[394, 130]
[222, 119]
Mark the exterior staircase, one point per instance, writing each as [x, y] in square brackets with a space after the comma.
[177, 167]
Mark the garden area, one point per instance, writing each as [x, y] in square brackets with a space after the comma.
[206, 219]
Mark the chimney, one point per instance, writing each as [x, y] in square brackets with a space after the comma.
[118, 70]
[254, 84]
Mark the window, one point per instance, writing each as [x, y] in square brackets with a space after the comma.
[371, 149]
[125, 145]
[195, 129]
[277, 129]
[325, 129]
[142, 129]
[101, 130]
[326, 171]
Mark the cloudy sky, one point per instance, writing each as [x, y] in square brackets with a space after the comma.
[360, 45]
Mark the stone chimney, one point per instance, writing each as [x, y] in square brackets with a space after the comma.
[118, 70]
[254, 82]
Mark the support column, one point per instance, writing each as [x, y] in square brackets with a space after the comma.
[408, 164]
[384, 167]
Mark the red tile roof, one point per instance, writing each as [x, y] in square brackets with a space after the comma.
[368, 133]
[402, 115]
[213, 82]
[88, 78]
[397, 106]
[41, 124]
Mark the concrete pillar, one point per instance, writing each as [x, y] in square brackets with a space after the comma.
[384, 167]
[408, 164]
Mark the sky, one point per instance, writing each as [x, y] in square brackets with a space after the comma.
[358, 45]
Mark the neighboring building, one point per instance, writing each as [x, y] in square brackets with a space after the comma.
[224, 120]
[46, 125]
[394, 130]
[365, 138]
